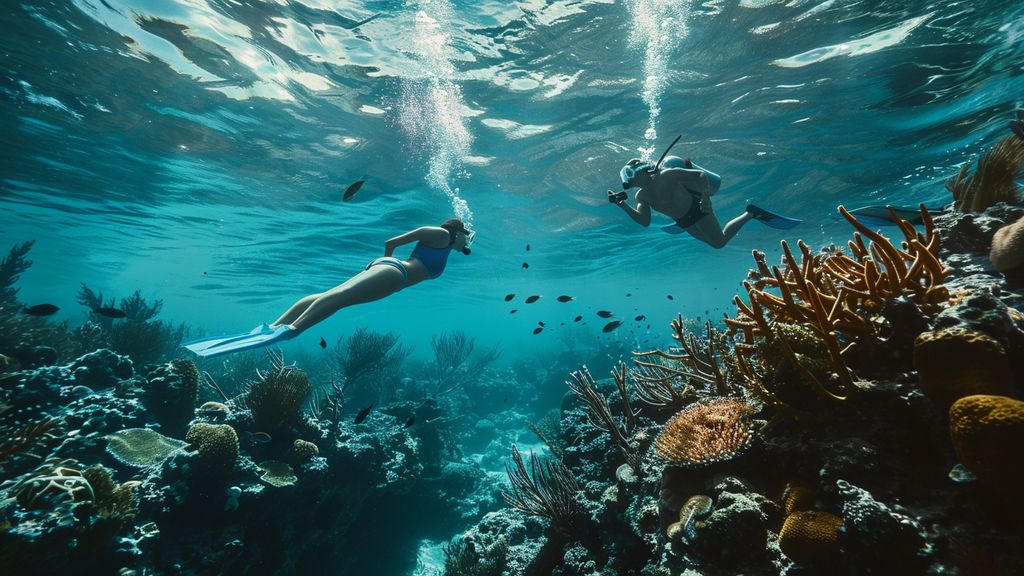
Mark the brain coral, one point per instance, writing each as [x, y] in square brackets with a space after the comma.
[217, 447]
[1007, 252]
[302, 450]
[955, 362]
[141, 447]
[797, 497]
[987, 433]
[704, 433]
[810, 536]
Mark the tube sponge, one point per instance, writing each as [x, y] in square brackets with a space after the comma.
[987, 433]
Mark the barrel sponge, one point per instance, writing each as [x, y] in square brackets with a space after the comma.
[217, 447]
[987, 433]
[1007, 252]
[810, 536]
[956, 362]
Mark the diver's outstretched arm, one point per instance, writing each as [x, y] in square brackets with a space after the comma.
[641, 214]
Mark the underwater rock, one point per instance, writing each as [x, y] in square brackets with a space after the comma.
[101, 369]
[171, 392]
[34, 356]
[973, 232]
[877, 535]
[734, 535]
[987, 433]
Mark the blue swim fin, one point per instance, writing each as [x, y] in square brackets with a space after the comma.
[257, 338]
[771, 219]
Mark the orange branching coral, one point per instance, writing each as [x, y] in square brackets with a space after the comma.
[705, 433]
[994, 181]
[810, 536]
[987, 433]
[833, 293]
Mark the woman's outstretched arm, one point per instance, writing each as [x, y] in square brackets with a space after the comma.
[431, 235]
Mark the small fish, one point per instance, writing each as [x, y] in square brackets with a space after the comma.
[532, 299]
[41, 310]
[526, 265]
[351, 190]
[513, 311]
[323, 343]
[362, 414]
[565, 298]
[640, 318]
[204, 273]
[259, 438]
[648, 326]
[110, 312]
[509, 297]
[670, 297]
[611, 325]
[628, 294]
[505, 400]
[538, 330]
[527, 247]
[541, 322]
[604, 314]
[961, 475]
[410, 421]
[577, 319]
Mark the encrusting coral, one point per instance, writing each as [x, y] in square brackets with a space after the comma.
[707, 432]
[987, 433]
[810, 536]
[141, 447]
[957, 362]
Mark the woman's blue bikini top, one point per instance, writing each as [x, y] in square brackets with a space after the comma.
[433, 259]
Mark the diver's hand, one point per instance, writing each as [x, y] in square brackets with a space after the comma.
[617, 198]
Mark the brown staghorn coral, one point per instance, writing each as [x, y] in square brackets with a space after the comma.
[834, 294]
[987, 433]
[956, 362]
[1007, 252]
[707, 432]
[993, 181]
[810, 536]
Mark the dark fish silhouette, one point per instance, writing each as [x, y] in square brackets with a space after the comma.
[628, 294]
[323, 343]
[513, 311]
[410, 421]
[577, 319]
[541, 322]
[527, 247]
[351, 190]
[640, 317]
[565, 298]
[670, 297]
[509, 297]
[260, 438]
[611, 325]
[362, 414]
[110, 312]
[604, 314]
[525, 265]
[538, 330]
[41, 310]
[532, 299]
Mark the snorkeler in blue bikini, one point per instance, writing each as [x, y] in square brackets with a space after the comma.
[381, 277]
[682, 191]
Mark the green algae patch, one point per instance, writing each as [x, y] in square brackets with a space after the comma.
[141, 447]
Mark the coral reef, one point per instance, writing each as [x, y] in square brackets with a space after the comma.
[986, 432]
[810, 536]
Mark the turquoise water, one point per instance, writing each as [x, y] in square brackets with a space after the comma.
[198, 150]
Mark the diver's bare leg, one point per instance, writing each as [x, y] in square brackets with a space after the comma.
[369, 285]
[296, 310]
[708, 230]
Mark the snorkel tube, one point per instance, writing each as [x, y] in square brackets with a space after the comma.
[665, 153]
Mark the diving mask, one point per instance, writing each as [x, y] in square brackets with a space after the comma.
[631, 169]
